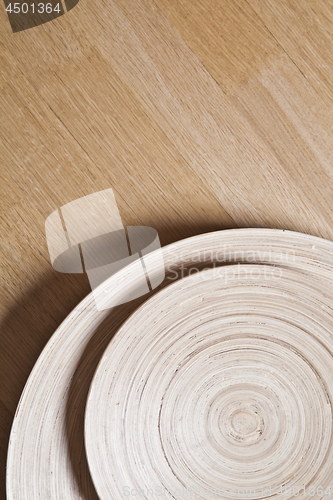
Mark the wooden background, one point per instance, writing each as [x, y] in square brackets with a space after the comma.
[200, 114]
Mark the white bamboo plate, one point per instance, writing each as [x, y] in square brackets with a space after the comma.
[221, 385]
[46, 456]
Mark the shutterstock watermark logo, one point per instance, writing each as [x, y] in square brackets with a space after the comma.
[23, 15]
[88, 235]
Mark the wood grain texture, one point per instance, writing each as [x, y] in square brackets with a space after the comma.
[199, 115]
[304, 33]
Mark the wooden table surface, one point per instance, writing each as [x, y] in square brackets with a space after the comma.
[199, 114]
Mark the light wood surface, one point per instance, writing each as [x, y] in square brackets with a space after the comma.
[201, 115]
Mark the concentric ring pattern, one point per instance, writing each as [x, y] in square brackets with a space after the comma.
[243, 422]
[220, 386]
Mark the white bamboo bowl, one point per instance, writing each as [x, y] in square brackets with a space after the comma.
[220, 386]
[46, 457]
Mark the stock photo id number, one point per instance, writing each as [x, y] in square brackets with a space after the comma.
[24, 15]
